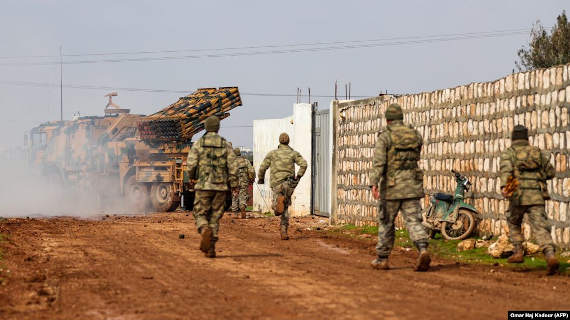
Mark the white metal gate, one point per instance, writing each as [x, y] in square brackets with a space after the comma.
[321, 163]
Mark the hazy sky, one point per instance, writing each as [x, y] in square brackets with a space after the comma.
[38, 28]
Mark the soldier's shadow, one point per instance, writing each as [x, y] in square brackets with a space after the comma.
[261, 255]
[447, 266]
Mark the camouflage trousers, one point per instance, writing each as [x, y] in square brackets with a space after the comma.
[536, 219]
[239, 199]
[209, 209]
[411, 210]
[285, 189]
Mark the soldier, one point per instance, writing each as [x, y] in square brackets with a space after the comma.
[283, 180]
[246, 175]
[212, 161]
[397, 180]
[530, 168]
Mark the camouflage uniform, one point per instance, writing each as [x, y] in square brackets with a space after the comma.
[395, 170]
[283, 181]
[212, 161]
[531, 168]
[246, 175]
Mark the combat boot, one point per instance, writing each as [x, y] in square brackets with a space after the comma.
[380, 263]
[552, 263]
[518, 254]
[280, 205]
[206, 240]
[212, 250]
[424, 258]
[284, 235]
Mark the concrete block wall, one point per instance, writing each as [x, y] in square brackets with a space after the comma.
[266, 138]
[464, 128]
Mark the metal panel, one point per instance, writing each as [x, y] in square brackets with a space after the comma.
[321, 160]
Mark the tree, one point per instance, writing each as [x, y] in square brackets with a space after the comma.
[546, 50]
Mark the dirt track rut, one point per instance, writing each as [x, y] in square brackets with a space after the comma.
[138, 268]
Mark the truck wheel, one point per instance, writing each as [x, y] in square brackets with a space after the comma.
[461, 229]
[163, 197]
[136, 194]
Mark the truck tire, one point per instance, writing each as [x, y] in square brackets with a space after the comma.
[136, 194]
[163, 197]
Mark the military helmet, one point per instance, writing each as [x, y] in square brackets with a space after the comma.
[394, 112]
[520, 133]
[284, 138]
[212, 124]
[237, 151]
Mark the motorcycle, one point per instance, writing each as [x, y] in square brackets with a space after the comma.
[449, 214]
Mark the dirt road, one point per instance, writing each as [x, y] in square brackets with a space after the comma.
[138, 268]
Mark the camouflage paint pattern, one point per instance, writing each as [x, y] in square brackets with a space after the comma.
[184, 118]
[281, 163]
[209, 209]
[80, 148]
[246, 175]
[213, 163]
[538, 223]
[532, 181]
[239, 199]
[411, 211]
[394, 166]
[532, 168]
[285, 189]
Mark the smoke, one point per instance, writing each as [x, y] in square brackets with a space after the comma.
[26, 191]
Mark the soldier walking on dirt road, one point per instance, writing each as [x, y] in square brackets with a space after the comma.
[528, 168]
[212, 162]
[281, 163]
[397, 180]
[246, 175]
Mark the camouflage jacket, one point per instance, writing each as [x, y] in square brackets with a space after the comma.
[212, 162]
[531, 167]
[395, 165]
[281, 163]
[246, 173]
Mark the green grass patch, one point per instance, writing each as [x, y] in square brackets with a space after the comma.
[249, 208]
[403, 239]
[448, 249]
[369, 229]
[347, 227]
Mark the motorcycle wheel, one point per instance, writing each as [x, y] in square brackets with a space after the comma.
[430, 231]
[461, 229]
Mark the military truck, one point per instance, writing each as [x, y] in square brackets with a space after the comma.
[140, 160]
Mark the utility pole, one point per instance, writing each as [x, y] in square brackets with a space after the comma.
[61, 83]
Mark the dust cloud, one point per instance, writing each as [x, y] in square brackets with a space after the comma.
[26, 191]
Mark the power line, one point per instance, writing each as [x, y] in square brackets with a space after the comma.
[329, 46]
[148, 90]
[297, 44]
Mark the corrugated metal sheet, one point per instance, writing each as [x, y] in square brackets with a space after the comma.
[321, 159]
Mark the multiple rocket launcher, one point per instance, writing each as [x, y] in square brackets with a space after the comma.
[184, 118]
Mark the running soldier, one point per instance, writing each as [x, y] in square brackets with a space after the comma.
[246, 175]
[397, 180]
[529, 168]
[212, 162]
[281, 163]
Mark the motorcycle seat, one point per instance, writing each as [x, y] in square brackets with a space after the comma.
[443, 197]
